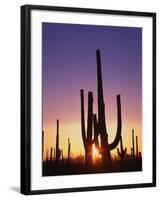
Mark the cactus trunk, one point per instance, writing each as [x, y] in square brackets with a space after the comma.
[87, 137]
[106, 157]
[58, 151]
[51, 154]
[42, 144]
[105, 146]
[132, 149]
[69, 149]
[54, 154]
[137, 151]
[99, 123]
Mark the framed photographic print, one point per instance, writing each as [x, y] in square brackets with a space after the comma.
[88, 99]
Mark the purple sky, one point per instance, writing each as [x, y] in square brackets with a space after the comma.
[69, 64]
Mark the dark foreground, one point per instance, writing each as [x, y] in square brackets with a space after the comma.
[72, 167]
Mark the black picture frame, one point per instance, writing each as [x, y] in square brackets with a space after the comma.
[26, 98]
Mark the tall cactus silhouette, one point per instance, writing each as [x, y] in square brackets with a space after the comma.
[58, 151]
[51, 152]
[69, 149]
[54, 154]
[42, 144]
[100, 123]
[122, 152]
[87, 136]
[137, 151]
[133, 149]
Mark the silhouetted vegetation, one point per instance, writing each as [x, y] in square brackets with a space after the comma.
[122, 152]
[58, 151]
[122, 162]
[77, 166]
[87, 137]
[69, 149]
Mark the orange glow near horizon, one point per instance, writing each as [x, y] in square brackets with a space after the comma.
[73, 131]
[70, 126]
[69, 64]
[95, 153]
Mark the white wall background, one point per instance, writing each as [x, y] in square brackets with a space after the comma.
[10, 99]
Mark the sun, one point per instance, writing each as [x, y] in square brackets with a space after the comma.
[95, 153]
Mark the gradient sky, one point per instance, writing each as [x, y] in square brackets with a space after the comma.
[69, 64]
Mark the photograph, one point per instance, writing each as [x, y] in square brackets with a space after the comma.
[91, 99]
[88, 99]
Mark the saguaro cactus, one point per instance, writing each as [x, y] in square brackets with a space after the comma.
[100, 124]
[133, 149]
[42, 144]
[51, 154]
[54, 154]
[58, 151]
[137, 151]
[121, 152]
[87, 137]
[69, 149]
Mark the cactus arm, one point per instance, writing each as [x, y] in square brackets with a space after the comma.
[83, 118]
[87, 136]
[133, 149]
[90, 118]
[122, 154]
[119, 125]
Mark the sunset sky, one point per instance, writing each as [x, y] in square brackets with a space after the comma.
[69, 64]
